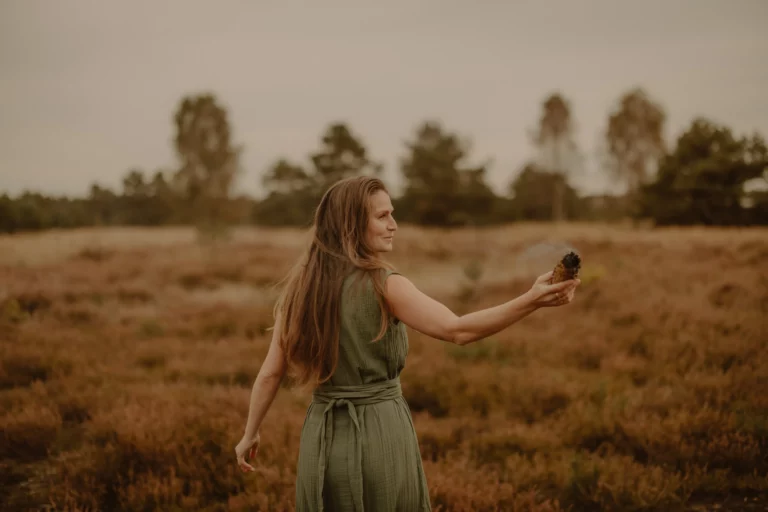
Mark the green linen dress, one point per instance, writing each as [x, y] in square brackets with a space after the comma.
[359, 450]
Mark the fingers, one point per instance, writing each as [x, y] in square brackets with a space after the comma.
[558, 299]
[567, 297]
[244, 466]
[544, 277]
[562, 286]
[251, 452]
[560, 296]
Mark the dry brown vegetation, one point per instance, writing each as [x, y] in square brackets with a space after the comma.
[127, 357]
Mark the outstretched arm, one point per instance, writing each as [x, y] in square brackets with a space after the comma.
[434, 319]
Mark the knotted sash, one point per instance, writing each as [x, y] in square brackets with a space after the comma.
[349, 396]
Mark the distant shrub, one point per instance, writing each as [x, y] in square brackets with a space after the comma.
[95, 254]
[28, 433]
[150, 361]
[150, 328]
[22, 370]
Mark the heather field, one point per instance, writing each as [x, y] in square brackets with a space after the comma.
[127, 358]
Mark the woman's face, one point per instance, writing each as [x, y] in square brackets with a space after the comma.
[381, 224]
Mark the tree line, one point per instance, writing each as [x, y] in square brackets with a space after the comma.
[710, 176]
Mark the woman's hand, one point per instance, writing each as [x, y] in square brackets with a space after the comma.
[544, 295]
[246, 449]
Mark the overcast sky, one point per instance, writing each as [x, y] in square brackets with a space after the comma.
[88, 88]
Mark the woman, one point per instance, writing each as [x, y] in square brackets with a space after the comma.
[340, 327]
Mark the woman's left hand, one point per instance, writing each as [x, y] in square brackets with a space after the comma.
[246, 449]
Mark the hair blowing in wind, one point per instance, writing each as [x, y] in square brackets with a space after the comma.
[308, 308]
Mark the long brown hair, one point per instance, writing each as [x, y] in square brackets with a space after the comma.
[309, 306]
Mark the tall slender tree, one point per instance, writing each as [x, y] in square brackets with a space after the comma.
[634, 141]
[209, 161]
[557, 150]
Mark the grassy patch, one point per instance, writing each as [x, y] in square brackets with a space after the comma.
[125, 375]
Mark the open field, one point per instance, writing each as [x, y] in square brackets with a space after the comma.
[128, 355]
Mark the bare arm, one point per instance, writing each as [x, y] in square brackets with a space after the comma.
[434, 319]
[266, 385]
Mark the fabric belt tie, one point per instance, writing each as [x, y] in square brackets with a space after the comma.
[349, 396]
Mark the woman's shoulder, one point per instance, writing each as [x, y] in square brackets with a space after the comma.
[359, 274]
[360, 279]
[390, 271]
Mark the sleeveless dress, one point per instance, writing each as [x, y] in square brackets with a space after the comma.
[358, 449]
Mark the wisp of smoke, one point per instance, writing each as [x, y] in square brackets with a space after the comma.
[542, 257]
